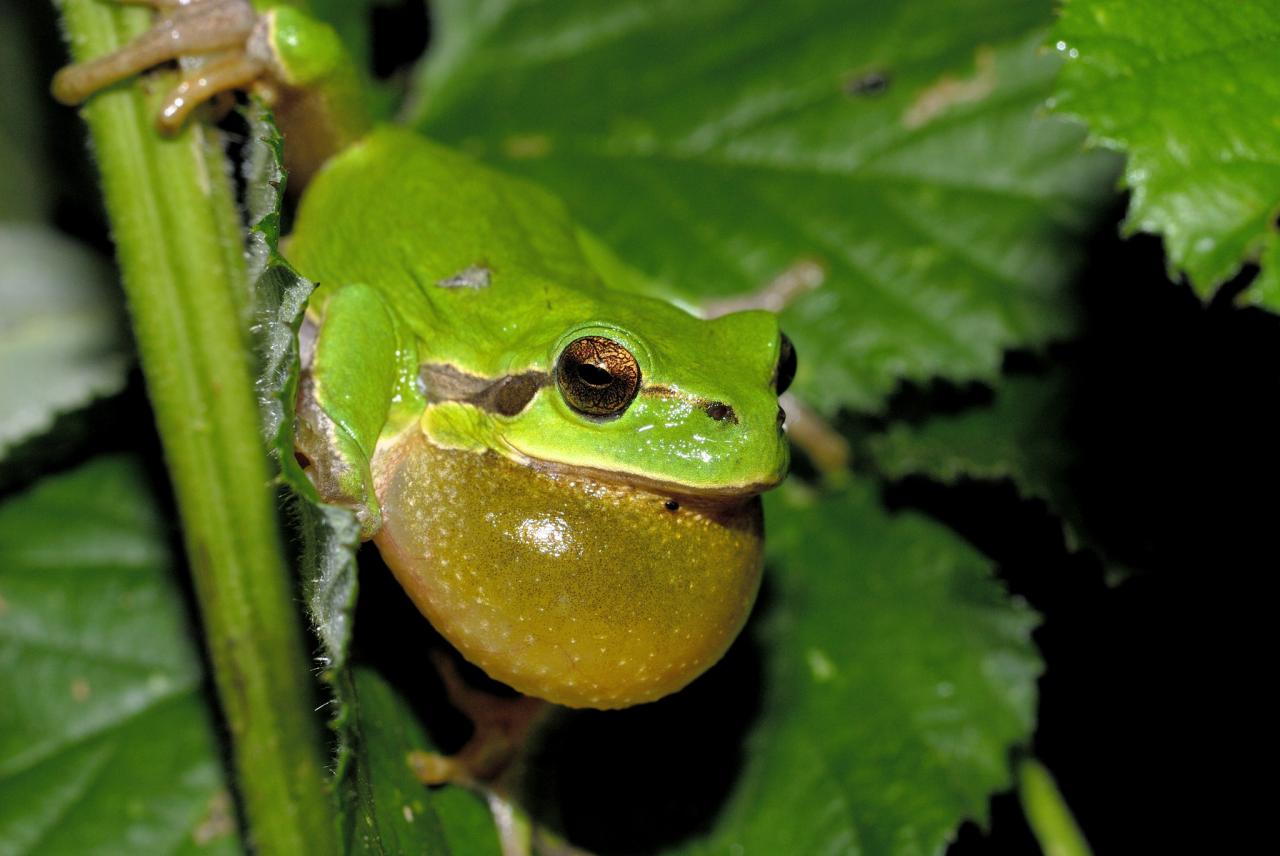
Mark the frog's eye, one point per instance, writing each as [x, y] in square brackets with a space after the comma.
[786, 371]
[597, 376]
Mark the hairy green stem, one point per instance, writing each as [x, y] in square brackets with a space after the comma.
[179, 248]
[1047, 812]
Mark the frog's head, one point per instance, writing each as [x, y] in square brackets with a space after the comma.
[652, 396]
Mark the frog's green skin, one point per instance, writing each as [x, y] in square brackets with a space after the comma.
[447, 294]
[428, 297]
[590, 557]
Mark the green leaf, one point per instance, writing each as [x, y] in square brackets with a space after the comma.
[1189, 91]
[716, 144]
[62, 332]
[106, 743]
[389, 810]
[1018, 436]
[900, 677]
[350, 18]
[330, 535]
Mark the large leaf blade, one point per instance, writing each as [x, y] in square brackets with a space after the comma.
[1189, 91]
[62, 333]
[716, 144]
[901, 679]
[106, 742]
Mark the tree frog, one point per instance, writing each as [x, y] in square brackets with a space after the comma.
[562, 472]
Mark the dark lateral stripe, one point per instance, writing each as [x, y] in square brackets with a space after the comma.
[509, 395]
[512, 394]
[505, 396]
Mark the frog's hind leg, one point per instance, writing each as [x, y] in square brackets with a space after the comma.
[491, 759]
[502, 727]
[195, 28]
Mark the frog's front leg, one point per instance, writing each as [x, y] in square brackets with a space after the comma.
[223, 30]
[351, 372]
[296, 63]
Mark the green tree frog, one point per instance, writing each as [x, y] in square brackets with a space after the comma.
[562, 472]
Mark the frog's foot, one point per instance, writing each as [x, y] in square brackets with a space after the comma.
[227, 33]
[780, 292]
[502, 727]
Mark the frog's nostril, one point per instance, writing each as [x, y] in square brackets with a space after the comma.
[721, 412]
[782, 417]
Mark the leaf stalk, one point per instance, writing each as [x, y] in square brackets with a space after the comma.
[1047, 813]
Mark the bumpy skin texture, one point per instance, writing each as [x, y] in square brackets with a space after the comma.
[577, 592]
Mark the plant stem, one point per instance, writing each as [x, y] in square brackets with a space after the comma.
[1047, 812]
[179, 248]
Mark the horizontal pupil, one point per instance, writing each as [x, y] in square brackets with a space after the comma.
[594, 375]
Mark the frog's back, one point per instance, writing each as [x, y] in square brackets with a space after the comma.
[415, 219]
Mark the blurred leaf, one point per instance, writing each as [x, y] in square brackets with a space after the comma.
[106, 743]
[716, 144]
[44, 163]
[24, 177]
[330, 535]
[62, 332]
[900, 678]
[1189, 91]
[350, 18]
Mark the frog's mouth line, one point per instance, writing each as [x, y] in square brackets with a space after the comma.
[686, 494]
